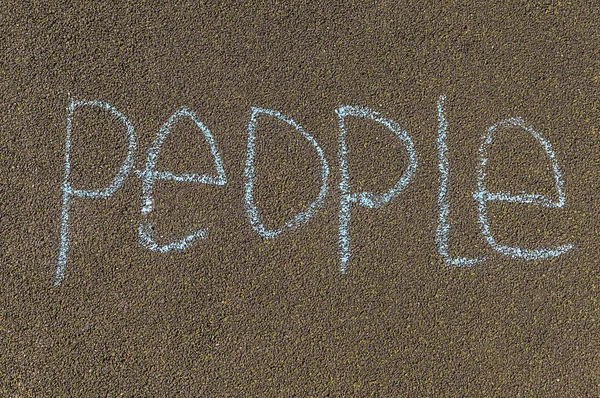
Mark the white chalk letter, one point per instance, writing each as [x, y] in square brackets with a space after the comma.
[443, 228]
[251, 210]
[68, 190]
[482, 196]
[366, 199]
[150, 175]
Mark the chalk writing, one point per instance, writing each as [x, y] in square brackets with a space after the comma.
[347, 198]
[443, 228]
[482, 196]
[148, 176]
[67, 189]
[365, 199]
[249, 172]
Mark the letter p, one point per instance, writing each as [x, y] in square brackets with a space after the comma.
[68, 191]
[366, 199]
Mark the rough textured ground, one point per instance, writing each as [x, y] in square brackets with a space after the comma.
[238, 315]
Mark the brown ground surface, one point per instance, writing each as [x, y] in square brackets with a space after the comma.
[237, 315]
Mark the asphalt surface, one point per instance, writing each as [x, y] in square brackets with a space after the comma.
[240, 315]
